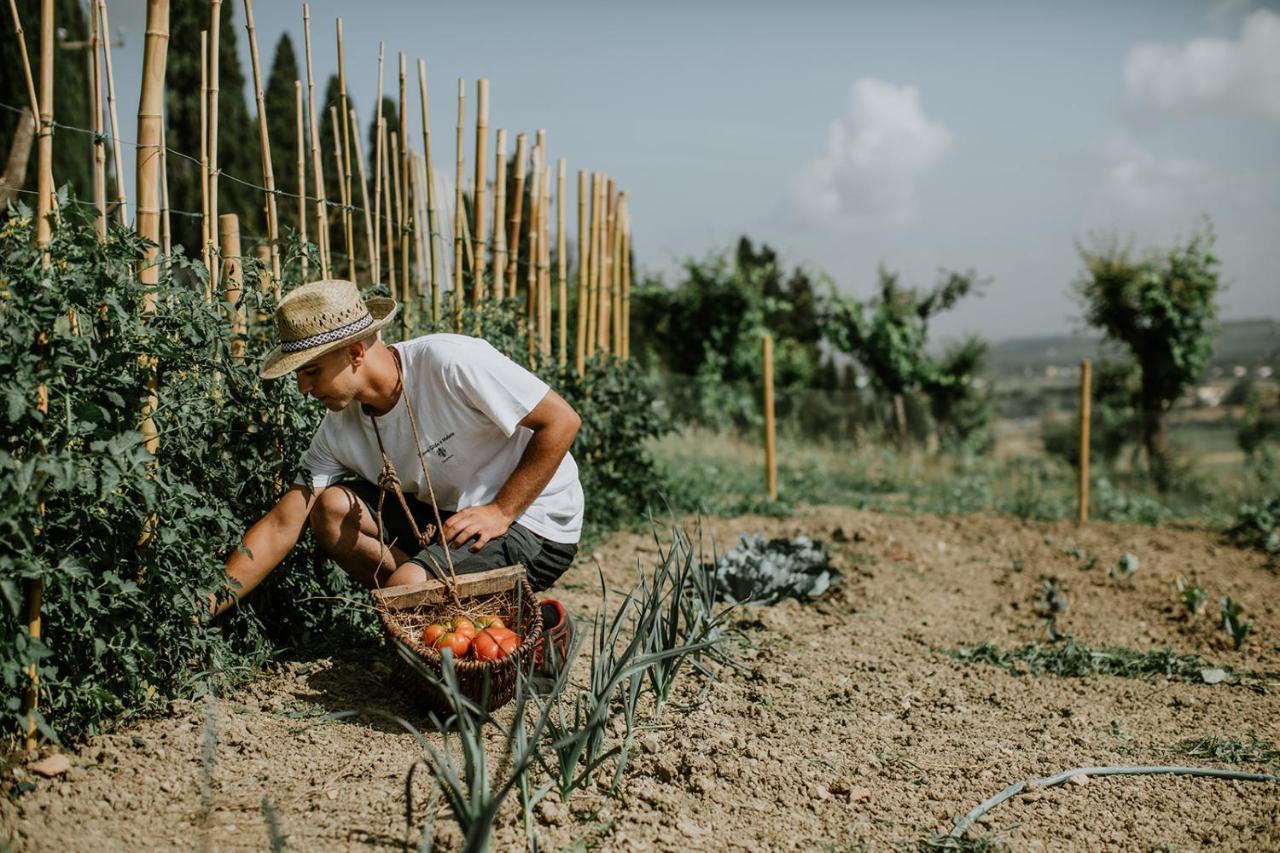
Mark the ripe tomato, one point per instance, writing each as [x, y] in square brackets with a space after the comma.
[463, 625]
[432, 632]
[483, 622]
[485, 647]
[456, 642]
[507, 641]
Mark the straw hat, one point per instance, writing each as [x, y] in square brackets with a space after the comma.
[320, 317]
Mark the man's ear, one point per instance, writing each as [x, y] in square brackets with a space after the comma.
[356, 352]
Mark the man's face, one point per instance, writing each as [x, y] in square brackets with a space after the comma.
[331, 378]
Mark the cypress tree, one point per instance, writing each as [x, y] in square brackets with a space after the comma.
[282, 125]
[238, 151]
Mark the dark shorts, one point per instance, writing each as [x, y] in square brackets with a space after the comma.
[545, 560]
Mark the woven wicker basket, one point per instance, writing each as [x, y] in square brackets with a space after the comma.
[406, 610]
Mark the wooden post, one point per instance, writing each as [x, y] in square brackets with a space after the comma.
[215, 30]
[562, 285]
[264, 140]
[500, 218]
[104, 31]
[459, 216]
[358, 155]
[580, 342]
[1086, 396]
[345, 173]
[429, 177]
[95, 124]
[517, 205]
[478, 230]
[770, 436]
[232, 280]
[301, 164]
[317, 167]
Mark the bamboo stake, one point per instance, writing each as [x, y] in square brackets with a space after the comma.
[317, 167]
[358, 153]
[580, 342]
[562, 286]
[345, 172]
[264, 139]
[215, 29]
[458, 214]
[478, 231]
[99, 143]
[32, 98]
[104, 29]
[540, 258]
[544, 273]
[166, 230]
[770, 429]
[379, 178]
[415, 216]
[593, 267]
[338, 154]
[387, 211]
[615, 276]
[402, 203]
[499, 237]
[399, 285]
[232, 280]
[150, 143]
[43, 108]
[606, 274]
[531, 266]
[626, 284]
[429, 177]
[1086, 397]
[301, 160]
[205, 222]
[517, 203]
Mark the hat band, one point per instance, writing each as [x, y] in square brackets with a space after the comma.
[327, 337]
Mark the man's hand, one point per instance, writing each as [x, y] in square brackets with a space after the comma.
[482, 523]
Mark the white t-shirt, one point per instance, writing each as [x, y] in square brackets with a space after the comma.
[468, 399]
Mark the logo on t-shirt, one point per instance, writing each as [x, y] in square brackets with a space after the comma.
[437, 447]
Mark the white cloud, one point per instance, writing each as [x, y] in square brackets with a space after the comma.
[875, 154]
[1139, 182]
[1212, 74]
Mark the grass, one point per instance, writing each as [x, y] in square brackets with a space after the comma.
[1229, 750]
[723, 474]
[1074, 660]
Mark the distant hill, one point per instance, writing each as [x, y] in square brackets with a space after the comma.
[1239, 342]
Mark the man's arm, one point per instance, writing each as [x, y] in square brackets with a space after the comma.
[268, 541]
[554, 424]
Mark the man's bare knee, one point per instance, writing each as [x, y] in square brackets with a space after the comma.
[335, 516]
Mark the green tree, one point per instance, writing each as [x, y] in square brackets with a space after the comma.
[238, 151]
[282, 125]
[959, 404]
[72, 150]
[1163, 307]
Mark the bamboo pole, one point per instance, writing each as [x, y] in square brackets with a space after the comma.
[517, 203]
[205, 222]
[166, 227]
[42, 106]
[593, 268]
[317, 167]
[387, 209]
[215, 30]
[400, 285]
[402, 204]
[300, 150]
[1086, 398]
[358, 156]
[531, 266]
[544, 267]
[606, 268]
[562, 285]
[429, 178]
[415, 215]
[232, 280]
[615, 276]
[264, 140]
[345, 172]
[150, 144]
[478, 230]
[626, 284]
[580, 342]
[379, 178]
[95, 124]
[104, 30]
[32, 98]
[338, 154]
[500, 217]
[459, 216]
[770, 429]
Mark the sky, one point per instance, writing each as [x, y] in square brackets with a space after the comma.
[992, 136]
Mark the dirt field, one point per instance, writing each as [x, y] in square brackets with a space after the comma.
[849, 728]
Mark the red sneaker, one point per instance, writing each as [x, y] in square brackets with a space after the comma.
[558, 626]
